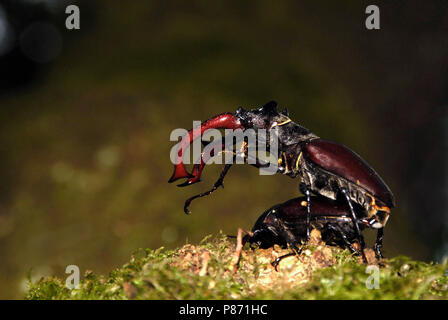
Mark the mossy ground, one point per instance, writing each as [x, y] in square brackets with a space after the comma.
[206, 271]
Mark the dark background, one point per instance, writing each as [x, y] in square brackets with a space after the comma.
[85, 119]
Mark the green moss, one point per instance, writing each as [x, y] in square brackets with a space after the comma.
[176, 274]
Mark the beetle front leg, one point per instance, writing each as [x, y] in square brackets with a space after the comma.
[276, 262]
[216, 185]
[355, 223]
[220, 182]
[290, 240]
[379, 243]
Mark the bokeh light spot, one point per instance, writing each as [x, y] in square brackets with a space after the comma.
[62, 172]
[6, 33]
[41, 42]
[169, 234]
[108, 157]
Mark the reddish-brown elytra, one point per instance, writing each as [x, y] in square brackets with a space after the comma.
[343, 162]
[328, 167]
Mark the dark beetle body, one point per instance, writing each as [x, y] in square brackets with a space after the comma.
[285, 223]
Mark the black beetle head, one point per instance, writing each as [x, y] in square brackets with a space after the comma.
[264, 117]
[264, 232]
[264, 238]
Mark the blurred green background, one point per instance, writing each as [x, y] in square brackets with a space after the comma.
[86, 115]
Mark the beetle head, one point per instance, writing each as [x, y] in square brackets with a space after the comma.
[263, 238]
[264, 117]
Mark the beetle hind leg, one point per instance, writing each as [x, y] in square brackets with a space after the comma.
[338, 232]
[355, 223]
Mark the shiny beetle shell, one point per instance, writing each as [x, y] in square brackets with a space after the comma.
[342, 162]
[290, 217]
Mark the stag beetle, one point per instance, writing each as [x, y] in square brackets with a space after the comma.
[327, 168]
[285, 224]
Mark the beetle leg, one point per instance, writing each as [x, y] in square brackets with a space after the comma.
[379, 243]
[276, 262]
[308, 213]
[216, 185]
[220, 182]
[305, 190]
[355, 223]
[290, 240]
[341, 234]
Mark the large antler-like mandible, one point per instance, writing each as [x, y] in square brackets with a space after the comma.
[222, 121]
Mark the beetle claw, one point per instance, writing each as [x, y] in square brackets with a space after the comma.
[275, 263]
[221, 121]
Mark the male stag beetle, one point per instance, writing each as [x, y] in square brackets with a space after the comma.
[285, 224]
[328, 169]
